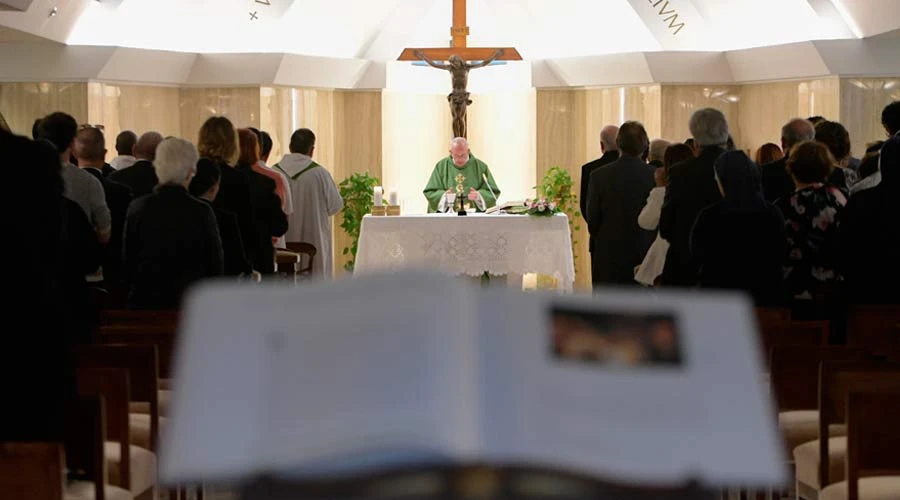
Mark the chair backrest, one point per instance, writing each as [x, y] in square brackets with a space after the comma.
[304, 249]
[142, 364]
[163, 336]
[836, 379]
[772, 315]
[794, 373]
[874, 326]
[873, 436]
[794, 333]
[33, 471]
[113, 385]
[85, 438]
[126, 317]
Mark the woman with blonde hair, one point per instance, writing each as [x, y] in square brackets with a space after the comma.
[217, 144]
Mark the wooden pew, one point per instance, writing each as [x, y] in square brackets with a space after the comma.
[32, 471]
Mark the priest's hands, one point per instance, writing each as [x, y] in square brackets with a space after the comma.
[473, 195]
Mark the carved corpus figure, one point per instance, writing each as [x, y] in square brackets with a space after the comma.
[459, 74]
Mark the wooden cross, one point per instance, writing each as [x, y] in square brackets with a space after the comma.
[459, 32]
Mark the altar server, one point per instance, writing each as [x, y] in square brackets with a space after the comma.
[316, 199]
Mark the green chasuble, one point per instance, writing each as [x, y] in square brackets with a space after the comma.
[444, 177]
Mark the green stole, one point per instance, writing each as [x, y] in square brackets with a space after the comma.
[298, 174]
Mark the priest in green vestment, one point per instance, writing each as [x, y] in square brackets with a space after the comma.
[460, 171]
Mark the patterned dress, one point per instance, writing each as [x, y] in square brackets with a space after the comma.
[811, 218]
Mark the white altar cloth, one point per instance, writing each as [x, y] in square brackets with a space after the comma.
[499, 244]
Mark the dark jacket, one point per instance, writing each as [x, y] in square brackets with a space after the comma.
[777, 182]
[617, 193]
[869, 236]
[107, 170]
[140, 178]
[235, 196]
[236, 260]
[118, 197]
[269, 220]
[741, 250]
[586, 170]
[171, 242]
[692, 187]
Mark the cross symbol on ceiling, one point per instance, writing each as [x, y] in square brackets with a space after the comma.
[254, 16]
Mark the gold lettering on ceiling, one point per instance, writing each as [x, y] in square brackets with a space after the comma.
[668, 15]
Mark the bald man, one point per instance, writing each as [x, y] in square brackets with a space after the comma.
[776, 181]
[610, 153]
[141, 177]
[442, 187]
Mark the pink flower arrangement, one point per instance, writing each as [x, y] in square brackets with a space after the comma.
[541, 206]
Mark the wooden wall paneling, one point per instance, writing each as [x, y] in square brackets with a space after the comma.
[22, 103]
[241, 105]
[862, 101]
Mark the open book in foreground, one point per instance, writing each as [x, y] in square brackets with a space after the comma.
[411, 369]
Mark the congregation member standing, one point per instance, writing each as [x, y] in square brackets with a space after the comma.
[776, 180]
[171, 238]
[869, 234]
[205, 186]
[125, 143]
[738, 242]
[616, 195]
[692, 187]
[141, 176]
[609, 153]
[837, 139]
[316, 199]
[269, 219]
[90, 150]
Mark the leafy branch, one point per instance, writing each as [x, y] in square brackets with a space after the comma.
[358, 194]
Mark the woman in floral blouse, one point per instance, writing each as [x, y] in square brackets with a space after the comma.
[811, 214]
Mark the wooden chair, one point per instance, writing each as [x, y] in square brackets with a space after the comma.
[305, 250]
[873, 441]
[794, 377]
[874, 327]
[32, 471]
[140, 361]
[85, 454]
[112, 385]
[821, 462]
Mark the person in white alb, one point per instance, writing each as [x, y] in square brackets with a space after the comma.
[316, 198]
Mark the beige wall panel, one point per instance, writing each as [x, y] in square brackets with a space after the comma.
[561, 141]
[275, 117]
[416, 133]
[241, 105]
[502, 134]
[820, 97]
[644, 105]
[862, 101]
[358, 148]
[764, 109]
[22, 103]
[680, 101]
[133, 107]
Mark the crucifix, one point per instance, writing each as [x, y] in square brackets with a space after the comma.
[456, 57]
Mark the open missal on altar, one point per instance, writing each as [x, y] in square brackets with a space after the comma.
[413, 369]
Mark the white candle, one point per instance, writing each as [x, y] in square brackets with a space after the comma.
[379, 194]
[392, 197]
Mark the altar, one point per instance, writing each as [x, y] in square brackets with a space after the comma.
[511, 245]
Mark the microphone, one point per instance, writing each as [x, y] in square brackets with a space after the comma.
[484, 176]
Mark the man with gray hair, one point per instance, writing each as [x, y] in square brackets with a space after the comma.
[171, 238]
[776, 181]
[692, 187]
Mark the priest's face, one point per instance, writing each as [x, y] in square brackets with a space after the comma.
[460, 154]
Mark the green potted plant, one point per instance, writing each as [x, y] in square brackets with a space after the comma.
[556, 187]
[359, 197]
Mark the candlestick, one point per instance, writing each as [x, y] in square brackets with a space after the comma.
[392, 198]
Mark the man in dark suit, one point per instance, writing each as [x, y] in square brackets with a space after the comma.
[692, 187]
[616, 195]
[776, 181]
[609, 153]
[141, 177]
[171, 238]
[205, 186]
[90, 150]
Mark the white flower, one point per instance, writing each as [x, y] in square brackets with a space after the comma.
[542, 207]
[552, 205]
